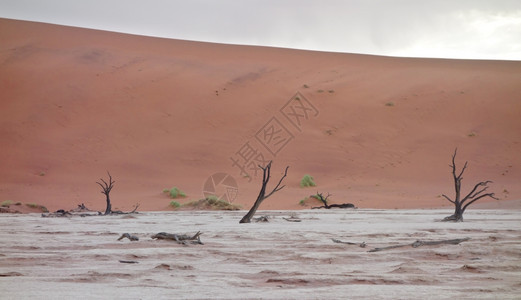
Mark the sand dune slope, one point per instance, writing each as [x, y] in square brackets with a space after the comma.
[157, 113]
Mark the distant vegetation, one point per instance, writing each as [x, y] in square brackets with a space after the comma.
[175, 204]
[210, 202]
[6, 203]
[315, 198]
[174, 193]
[37, 206]
[307, 181]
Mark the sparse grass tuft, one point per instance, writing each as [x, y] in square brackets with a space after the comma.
[306, 86]
[307, 181]
[37, 206]
[389, 104]
[212, 202]
[6, 203]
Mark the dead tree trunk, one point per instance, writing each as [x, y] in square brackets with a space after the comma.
[105, 189]
[262, 194]
[461, 204]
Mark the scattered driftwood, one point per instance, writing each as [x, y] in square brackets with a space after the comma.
[460, 205]
[292, 219]
[419, 243]
[129, 262]
[361, 245]
[262, 194]
[119, 212]
[180, 238]
[262, 219]
[326, 205]
[128, 236]
[80, 211]
[83, 211]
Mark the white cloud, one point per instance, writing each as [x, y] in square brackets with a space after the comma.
[422, 28]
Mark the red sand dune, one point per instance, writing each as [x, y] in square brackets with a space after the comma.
[158, 113]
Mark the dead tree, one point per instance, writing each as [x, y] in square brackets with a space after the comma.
[461, 204]
[262, 194]
[105, 189]
[326, 205]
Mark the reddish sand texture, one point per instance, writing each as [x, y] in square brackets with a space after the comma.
[378, 132]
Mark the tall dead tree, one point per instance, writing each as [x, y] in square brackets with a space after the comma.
[105, 189]
[461, 204]
[262, 194]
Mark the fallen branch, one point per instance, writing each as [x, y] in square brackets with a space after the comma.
[419, 243]
[128, 236]
[292, 219]
[179, 238]
[129, 262]
[263, 219]
[362, 245]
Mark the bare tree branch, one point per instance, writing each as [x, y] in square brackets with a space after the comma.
[460, 205]
[266, 174]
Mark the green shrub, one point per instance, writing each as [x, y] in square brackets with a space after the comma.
[175, 204]
[307, 181]
[175, 193]
[37, 206]
[302, 202]
[213, 202]
[6, 203]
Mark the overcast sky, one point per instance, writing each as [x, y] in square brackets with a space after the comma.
[472, 29]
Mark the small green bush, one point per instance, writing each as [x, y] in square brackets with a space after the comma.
[302, 202]
[213, 202]
[307, 181]
[37, 206]
[176, 193]
[175, 204]
[6, 203]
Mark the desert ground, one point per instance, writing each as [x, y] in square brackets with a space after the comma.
[80, 257]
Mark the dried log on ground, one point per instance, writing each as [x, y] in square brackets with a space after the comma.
[180, 238]
[83, 211]
[292, 219]
[419, 243]
[119, 212]
[264, 219]
[128, 236]
[129, 262]
[362, 244]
